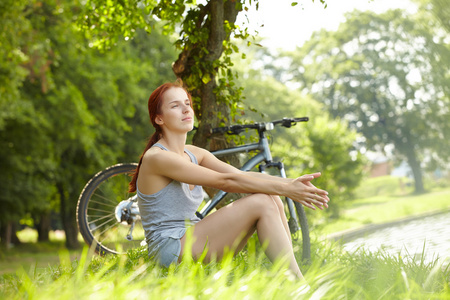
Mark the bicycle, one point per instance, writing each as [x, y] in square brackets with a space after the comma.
[108, 215]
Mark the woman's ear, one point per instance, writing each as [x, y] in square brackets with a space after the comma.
[159, 120]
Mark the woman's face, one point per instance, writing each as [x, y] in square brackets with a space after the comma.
[176, 111]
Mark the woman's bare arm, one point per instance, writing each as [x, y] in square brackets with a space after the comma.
[173, 166]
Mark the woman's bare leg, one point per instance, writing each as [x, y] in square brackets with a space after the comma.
[231, 226]
[280, 206]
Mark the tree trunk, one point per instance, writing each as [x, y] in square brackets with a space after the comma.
[212, 17]
[417, 171]
[211, 111]
[14, 238]
[43, 227]
[5, 234]
[8, 234]
[68, 220]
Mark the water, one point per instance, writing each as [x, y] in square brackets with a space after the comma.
[409, 238]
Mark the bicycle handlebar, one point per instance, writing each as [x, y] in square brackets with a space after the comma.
[262, 126]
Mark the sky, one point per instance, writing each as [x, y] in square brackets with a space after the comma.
[286, 27]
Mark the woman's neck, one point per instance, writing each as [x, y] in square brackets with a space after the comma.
[174, 143]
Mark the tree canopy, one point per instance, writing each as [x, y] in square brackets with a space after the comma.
[203, 41]
[387, 74]
[71, 100]
[72, 109]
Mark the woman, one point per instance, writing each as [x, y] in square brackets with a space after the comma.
[168, 181]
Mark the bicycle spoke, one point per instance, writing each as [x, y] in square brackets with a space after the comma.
[101, 210]
[106, 222]
[108, 228]
[101, 218]
[101, 203]
[111, 182]
[105, 198]
[97, 216]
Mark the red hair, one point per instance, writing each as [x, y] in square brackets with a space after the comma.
[154, 109]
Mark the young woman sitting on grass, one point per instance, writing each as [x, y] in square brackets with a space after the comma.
[169, 180]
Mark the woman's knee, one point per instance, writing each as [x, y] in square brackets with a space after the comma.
[278, 202]
[264, 203]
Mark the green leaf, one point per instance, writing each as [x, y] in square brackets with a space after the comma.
[206, 78]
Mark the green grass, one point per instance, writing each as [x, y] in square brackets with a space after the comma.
[386, 204]
[33, 255]
[37, 256]
[333, 274]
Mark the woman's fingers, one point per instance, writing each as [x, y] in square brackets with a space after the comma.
[307, 204]
[308, 177]
[312, 201]
[316, 191]
[310, 196]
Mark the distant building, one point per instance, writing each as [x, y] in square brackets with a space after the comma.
[381, 166]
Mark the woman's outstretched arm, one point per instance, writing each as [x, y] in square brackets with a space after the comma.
[172, 165]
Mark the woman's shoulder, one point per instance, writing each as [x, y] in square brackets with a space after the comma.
[197, 151]
[153, 153]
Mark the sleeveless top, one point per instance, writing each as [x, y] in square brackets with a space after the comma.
[167, 212]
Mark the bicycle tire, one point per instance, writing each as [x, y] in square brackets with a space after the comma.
[96, 211]
[306, 240]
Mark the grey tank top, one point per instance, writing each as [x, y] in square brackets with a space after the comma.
[167, 212]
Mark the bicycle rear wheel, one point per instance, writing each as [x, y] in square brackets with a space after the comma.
[96, 211]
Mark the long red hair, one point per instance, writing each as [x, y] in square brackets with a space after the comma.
[154, 109]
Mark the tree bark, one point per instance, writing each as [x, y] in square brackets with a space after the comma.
[68, 220]
[5, 234]
[212, 16]
[43, 227]
[14, 238]
[8, 234]
[417, 171]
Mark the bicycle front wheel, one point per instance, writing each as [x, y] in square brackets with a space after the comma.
[306, 241]
[96, 215]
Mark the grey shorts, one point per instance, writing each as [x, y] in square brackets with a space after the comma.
[168, 252]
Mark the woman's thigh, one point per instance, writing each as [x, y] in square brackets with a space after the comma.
[231, 226]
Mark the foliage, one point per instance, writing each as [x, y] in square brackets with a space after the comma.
[387, 75]
[322, 144]
[14, 26]
[333, 274]
[75, 110]
[204, 44]
[438, 11]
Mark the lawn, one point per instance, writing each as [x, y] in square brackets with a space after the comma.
[381, 200]
[383, 209]
[333, 274]
[33, 255]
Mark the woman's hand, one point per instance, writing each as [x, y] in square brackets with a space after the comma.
[304, 192]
